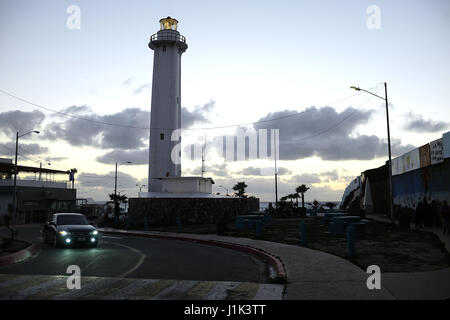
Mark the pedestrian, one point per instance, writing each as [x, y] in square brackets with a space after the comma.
[445, 213]
[418, 214]
[426, 213]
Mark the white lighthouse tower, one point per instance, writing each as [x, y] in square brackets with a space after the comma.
[168, 46]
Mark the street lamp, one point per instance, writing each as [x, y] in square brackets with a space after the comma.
[225, 189]
[45, 164]
[140, 186]
[391, 202]
[15, 172]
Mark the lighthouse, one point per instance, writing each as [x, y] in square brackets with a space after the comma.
[168, 45]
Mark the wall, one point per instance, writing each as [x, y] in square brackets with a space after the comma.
[164, 211]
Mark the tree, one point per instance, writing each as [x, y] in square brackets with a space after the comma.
[72, 175]
[240, 189]
[117, 199]
[301, 190]
[330, 205]
[316, 204]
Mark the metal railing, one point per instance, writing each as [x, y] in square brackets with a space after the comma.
[168, 36]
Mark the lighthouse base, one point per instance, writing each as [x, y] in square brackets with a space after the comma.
[159, 209]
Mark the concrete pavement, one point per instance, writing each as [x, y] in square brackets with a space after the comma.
[310, 274]
[429, 285]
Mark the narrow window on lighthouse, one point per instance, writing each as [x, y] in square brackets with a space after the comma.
[161, 136]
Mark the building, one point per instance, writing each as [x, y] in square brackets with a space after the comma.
[37, 198]
[168, 46]
[421, 172]
[170, 195]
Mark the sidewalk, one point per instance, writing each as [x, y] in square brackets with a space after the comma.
[418, 285]
[310, 274]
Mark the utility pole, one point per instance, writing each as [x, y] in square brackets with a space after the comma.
[276, 171]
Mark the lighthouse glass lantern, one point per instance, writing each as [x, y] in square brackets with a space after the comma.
[168, 23]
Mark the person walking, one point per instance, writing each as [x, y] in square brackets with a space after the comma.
[445, 213]
[418, 214]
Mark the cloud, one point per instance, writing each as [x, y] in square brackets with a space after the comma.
[89, 130]
[136, 157]
[417, 123]
[199, 114]
[325, 133]
[266, 171]
[106, 181]
[20, 121]
[8, 149]
[128, 81]
[141, 88]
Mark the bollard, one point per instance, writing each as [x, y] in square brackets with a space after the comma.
[146, 227]
[302, 232]
[179, 225]
[350, 241]
[258, 229]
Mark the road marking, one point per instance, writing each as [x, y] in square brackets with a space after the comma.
[33, 290]
[110, 237]
[138, 264]
[269, 292]
[19, 287]
[176, 291]
[131, 289]
[220, 291]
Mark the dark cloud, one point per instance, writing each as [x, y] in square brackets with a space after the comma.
[266, 171]
[106, 181]
[8, 149]
[89, 130]
[20, 121]
[135, 156]
[417, 123]
[325, 133]
[304, 178]
[199, 114]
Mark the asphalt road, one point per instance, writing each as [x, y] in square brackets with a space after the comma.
[139, 257]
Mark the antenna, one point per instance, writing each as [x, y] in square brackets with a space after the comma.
[203, 156]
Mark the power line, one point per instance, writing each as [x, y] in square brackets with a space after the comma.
[192, 129]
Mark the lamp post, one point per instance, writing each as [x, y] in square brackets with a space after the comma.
[15, 172]
[140, 186]
[115, 188]
[391, 202]
[225, 189]
[40, 167]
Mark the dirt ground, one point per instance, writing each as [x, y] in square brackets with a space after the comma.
[393, 250]
[10, 247]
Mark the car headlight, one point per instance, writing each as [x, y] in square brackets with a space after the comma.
[64, 233]
[95, 232]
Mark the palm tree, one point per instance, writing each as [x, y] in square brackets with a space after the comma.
[240, 189]
[73, 171]
[302, 189]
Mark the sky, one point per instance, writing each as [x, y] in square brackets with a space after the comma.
[284, 65]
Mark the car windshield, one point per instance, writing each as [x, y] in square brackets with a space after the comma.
[71, 219]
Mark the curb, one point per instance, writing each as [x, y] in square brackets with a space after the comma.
[20, 256]
[275, 262]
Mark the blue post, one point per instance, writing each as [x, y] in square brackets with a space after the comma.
[302, 228]
[258, 229]
[350, 241]
[179, 225]
[146, 227]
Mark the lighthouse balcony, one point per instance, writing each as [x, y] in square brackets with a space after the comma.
[167, 36]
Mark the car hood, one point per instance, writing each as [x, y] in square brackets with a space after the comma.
[69, 227]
